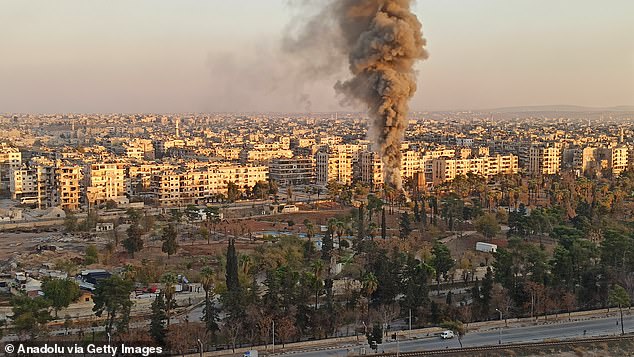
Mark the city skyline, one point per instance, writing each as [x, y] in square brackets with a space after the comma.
[121, 57]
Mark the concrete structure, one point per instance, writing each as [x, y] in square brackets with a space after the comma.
[10, 159]
[445, 169]
[544, 159]
[336, 163]
[198, 185]
[105, 182]
[290, 172]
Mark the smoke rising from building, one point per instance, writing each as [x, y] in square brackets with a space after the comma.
[382, 40]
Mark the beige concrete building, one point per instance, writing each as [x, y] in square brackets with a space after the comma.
[105, 182]
[196, 186]
[10, 159]
[68, 186]
[336, 164]
[446, 169]
[295, 171]
[594, 160]
[544, 159]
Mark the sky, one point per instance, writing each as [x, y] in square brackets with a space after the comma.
[219, 56]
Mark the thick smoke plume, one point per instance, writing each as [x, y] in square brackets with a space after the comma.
[382, 40]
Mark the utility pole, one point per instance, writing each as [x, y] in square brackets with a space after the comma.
[273, 336]
[410, 319]
[499, 328]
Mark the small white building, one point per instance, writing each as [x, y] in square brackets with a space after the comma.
[486, 247]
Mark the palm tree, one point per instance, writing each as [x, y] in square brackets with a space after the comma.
[310, 229]
[318, 271]
[169, 281]
[370, 284]
[129, 272]
[245, 263]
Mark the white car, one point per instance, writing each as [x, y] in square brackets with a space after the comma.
[446, 334]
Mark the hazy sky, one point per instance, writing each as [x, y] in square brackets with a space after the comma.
[220, 55]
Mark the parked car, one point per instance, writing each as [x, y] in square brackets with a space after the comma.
[446, 334]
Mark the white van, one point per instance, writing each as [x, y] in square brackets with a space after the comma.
[446, 334]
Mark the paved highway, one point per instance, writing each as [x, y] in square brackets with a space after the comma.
[561, 330]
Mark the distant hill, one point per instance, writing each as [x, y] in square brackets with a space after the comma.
[561, 108]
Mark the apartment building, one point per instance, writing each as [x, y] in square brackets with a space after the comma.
[67, 193]
[544, 159]
[32, 185]
[446, 169]
[45, 183]
[292, 172]
[613, 160]
[196, 186]
[370, 169]
[336, 164]
[10, 159]
[105, 182]
[264, 155]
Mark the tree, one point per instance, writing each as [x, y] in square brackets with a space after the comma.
[361, 224]
[233, 192]
[619, 297]
[310, 229]
[286, 329]
[210, 313]
[327, 245]
[134, 242]
[70, 223]
[92, 256]
[414, 282]
[318, 271]
[383, 224]
[405, 228]
[441, 261]
[60, 292]
[169, 281]
[158, 331]
[231, 274]
[112, 295]
[376, 336]
[170, 245]
[29, 315]
[133, 215]
[487, 225]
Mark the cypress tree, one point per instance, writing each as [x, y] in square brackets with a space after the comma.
[383, 225]
[416, 211]
[361, 230]
[231, 275]
[327, 246]
[157, 322]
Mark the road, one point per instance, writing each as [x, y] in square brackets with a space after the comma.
[561, 330]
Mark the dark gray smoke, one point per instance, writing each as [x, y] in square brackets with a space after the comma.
[382, 40]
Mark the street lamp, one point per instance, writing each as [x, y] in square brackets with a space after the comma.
[499, 328]
[200, 344]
